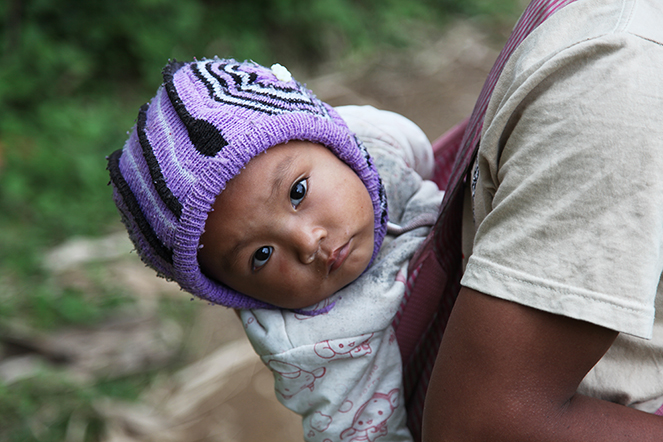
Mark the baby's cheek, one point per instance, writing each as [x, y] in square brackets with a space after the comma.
[295, 288]
[287, 277]
[284, 268]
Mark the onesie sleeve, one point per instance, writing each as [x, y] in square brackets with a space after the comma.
[569, 186]
[394, 132]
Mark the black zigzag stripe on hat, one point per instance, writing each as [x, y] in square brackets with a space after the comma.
[246, 91]
[134, 211]
[160, 185]
[205, 137]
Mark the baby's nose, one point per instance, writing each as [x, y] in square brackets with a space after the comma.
[307, 242]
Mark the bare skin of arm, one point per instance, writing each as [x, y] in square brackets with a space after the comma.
[506, 372]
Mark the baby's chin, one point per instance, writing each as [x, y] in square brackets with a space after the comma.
[302, 301]
[312, 302]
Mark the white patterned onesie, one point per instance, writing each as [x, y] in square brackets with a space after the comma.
[341, 371]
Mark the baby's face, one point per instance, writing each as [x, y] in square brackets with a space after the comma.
[295, 226]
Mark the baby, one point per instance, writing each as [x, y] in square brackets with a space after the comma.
[240, 185]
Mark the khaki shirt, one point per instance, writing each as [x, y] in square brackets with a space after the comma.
[568, 186]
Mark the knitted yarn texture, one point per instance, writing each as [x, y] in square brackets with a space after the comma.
[206, 122]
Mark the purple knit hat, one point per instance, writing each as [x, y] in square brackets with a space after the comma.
[207, 120]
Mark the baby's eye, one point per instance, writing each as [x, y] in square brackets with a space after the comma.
[261, 257]
[298, 192]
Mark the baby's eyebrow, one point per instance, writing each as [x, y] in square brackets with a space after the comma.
[281, 171]
[233, 255]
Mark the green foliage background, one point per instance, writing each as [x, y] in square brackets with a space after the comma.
[72, 76]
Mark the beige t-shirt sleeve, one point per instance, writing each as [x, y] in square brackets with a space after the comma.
[569, 186]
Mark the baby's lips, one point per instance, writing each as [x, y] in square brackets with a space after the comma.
[338, 256]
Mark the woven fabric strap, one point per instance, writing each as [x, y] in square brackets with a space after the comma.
[659, 412]
[435, 272]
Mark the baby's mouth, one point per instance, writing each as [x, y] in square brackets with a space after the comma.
[338, 256]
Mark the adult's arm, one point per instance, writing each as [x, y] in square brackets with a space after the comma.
[507, 372]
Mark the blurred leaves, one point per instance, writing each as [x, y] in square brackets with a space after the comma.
[72, 75]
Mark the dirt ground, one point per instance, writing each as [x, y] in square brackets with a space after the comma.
[226, 394]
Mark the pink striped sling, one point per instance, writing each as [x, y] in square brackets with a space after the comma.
[434, 273]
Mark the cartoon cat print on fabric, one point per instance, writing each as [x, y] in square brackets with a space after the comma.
[291, 379]
[370, 421]
[344, 348]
